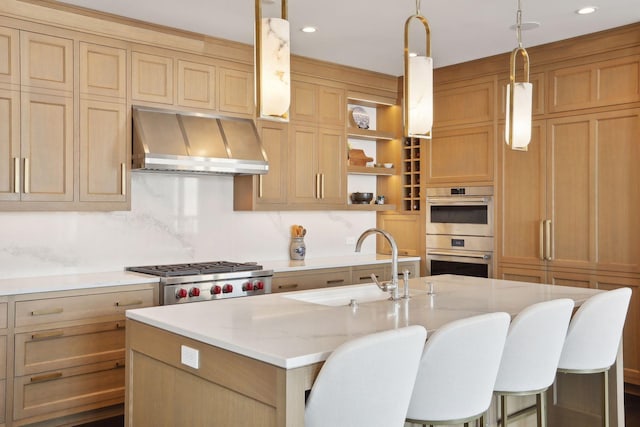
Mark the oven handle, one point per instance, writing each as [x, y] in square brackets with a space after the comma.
[456, 200]
[460, 254]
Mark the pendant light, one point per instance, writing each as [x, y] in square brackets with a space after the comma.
[519, 97]
[272, 68]
[418, 84]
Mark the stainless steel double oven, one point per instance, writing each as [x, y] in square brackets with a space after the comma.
[460, 231]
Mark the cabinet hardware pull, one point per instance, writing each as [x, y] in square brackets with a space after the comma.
[260, 186]
[548, 240]
[459, 254]
[46, 312]
[120, 326]
[456, 200]
[120, 365]
[27, 183]
[291, 286]
[46, 377]
[322, 186]
[123, 174]
[45, 335]
[16, 174]
[333, 282]
[368, 277]
[543, 256]
[127, 304]
[318, 186]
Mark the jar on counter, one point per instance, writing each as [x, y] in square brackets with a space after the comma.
[297, 248]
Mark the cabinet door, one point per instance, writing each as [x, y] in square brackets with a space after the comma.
[406, 231]
[103, 71]
[272, 187]
[522, 198]
[10, 166]
[461, 155]
[304, 181]
[46, 62]
[104, 152]
[304, 102]
[471, 101]
[47, 147]
[197, 85]
[331, 106]
[332, 165]
[236, 92]
[152, 78]
[617, 188]
[9, 57]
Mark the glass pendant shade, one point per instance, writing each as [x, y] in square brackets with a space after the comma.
[275, 71]
[520, 116]
[420, 96]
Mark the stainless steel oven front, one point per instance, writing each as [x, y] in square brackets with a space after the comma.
[463, 255]
[466, 211]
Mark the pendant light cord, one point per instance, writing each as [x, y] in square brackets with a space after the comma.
[418, 7]
[518, 24]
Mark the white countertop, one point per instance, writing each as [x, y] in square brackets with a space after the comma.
[28, 285]
[290, 333]
[332, 262]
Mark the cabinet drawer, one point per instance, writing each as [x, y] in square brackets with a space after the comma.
[363, 274]
[69, 390]
[66, 347]
[49, 310]
[311, 279]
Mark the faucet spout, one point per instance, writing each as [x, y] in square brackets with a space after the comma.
[393, 286]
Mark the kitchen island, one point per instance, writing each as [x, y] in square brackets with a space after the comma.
[250, 361]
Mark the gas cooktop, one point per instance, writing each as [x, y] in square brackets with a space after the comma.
[197, 268]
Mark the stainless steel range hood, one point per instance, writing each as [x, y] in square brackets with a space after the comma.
[172, 141]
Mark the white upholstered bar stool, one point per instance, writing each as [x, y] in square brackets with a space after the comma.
[593, 338]
[367, 381]
[458, 371]
[531, 353]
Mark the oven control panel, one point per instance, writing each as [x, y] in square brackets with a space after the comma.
[213, 290]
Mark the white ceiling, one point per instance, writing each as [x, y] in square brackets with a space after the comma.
[369, 33]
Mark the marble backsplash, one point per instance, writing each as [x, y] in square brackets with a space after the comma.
[173, 218]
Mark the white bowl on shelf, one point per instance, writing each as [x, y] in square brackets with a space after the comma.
[388, 165]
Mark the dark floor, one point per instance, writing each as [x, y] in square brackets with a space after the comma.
[631, 411]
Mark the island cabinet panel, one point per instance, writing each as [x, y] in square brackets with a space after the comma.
[103, 71]
[9, 58]
[151, 78]
[269, 191]
[227, 389]
[460, 155]
[596, 84]
[311, 279]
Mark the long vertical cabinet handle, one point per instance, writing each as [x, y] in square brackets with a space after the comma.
[542, 241]
[549, 246]
[16, 174]
[322, 186]
[123, 175]
[27, 183]
[260, 186]
[318, 186]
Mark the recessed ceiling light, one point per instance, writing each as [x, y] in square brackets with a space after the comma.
[308, 29]
[586, 10]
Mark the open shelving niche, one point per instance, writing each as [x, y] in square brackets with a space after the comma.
[379, 142]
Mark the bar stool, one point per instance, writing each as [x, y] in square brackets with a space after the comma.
[458, 370]
[593, 338]
[367, 381]
[531, 353]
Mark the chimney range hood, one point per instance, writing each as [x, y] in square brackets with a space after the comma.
[172, 141]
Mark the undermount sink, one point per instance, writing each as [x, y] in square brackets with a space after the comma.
[340, 296]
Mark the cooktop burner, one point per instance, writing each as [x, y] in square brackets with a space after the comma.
[198, 268]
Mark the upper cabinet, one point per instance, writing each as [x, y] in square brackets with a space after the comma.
[46, 62]
[317, 104]
[9, 58]
[167, 78]
[103, 71]
[596, 84]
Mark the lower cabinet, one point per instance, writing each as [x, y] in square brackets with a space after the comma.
[69, 353]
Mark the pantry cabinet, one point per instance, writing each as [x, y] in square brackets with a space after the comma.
[9, 58]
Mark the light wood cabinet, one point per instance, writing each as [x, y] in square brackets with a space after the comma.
[467, 102]
[151, 78]
[197, 85]
[317, 104]
[267, 191]
[595, 84]
[236, 91]
[362, 273]
[310, 279]
[46, 63]
[103, 71]
[407, 230]
[9, 58]
[11, 159]
[70, 350]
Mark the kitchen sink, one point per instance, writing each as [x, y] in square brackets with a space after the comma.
[340, 296]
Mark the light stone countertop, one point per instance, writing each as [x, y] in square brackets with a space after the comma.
[332, 262]
[290, 333]
[67, 282]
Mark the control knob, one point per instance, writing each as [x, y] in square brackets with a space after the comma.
[194, 292]
[248, 286]
[216, 290]
[181, 293]
[259, 285]
[227, 288]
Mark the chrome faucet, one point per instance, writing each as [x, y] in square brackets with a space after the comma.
[392, 285]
